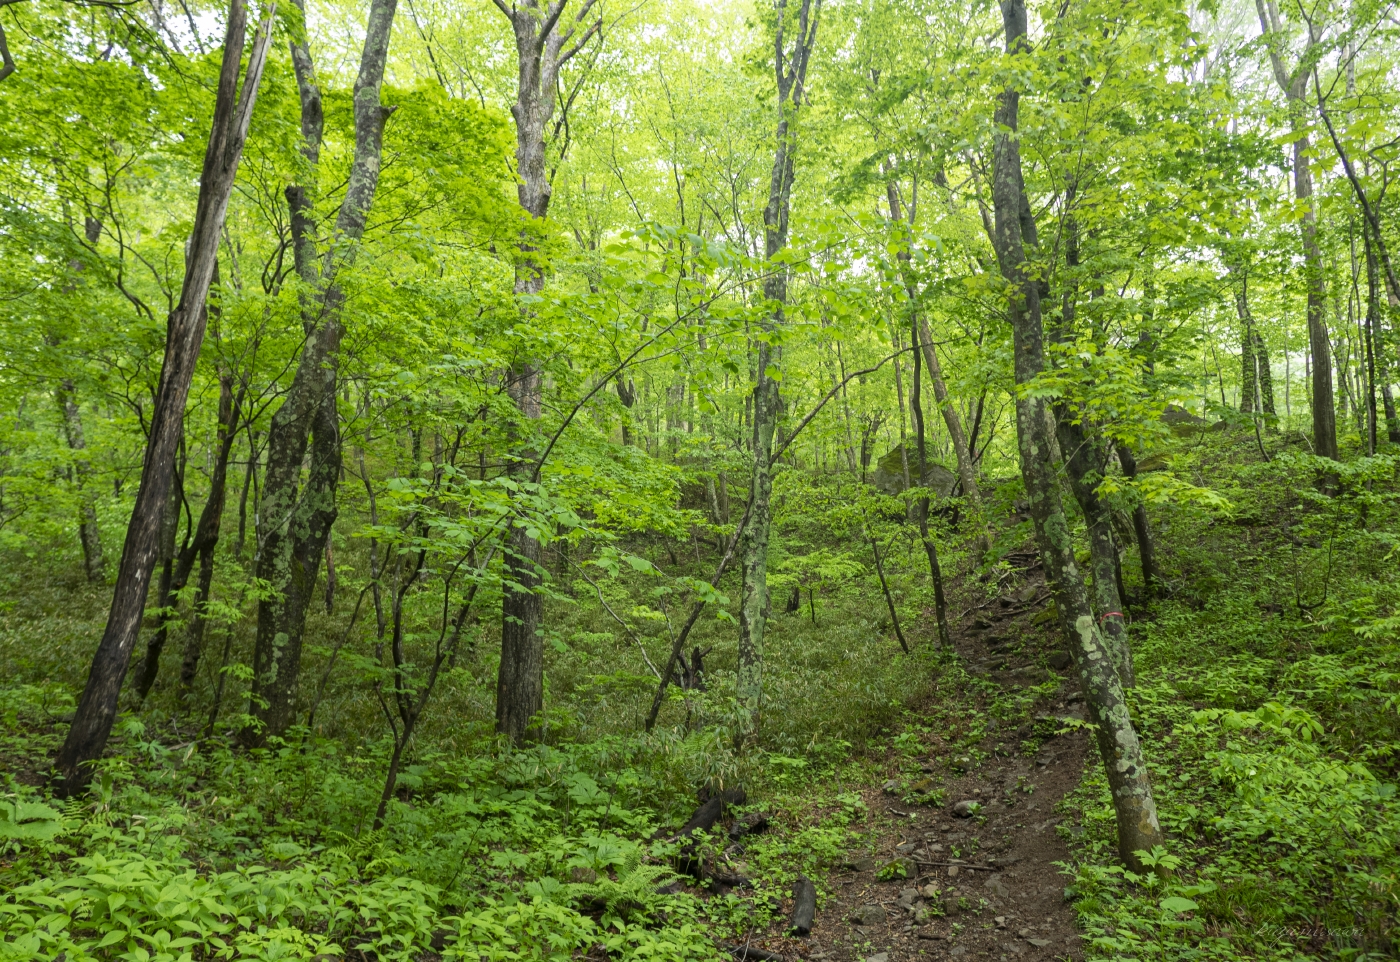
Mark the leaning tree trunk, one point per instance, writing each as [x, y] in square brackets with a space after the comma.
[97, 708]
[767, 401]
[916, 406]
[296, 515]
[1014, 232]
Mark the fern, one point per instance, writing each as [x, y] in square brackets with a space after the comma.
[633, 894]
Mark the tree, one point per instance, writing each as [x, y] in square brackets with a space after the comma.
[1015, 233]
[1294, 84]
[790, 76]
[299, 514]
[233, 110]
[542, 46]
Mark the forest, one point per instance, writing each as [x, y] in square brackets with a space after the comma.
[680, 480]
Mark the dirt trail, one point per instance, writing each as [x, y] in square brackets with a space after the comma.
[984, 886]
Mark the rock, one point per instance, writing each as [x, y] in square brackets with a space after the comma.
[859, 864]
[1039, 943]
[966, 808]
[1059, 661]
[906, 848]
[1000, 920]
[1075, 697]
[929, 935]
[878, 957]
[870, 914]
[1006, 861]
[996, 887]
[907, 897]
[889, 474]
[952, 871]
[899, 869]
[935, 848]
[583, 875]
[1028, 593]
[958, 951]
[983, 623]
[929, 891]
[890, 787]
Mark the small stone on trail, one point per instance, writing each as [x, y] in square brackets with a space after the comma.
[1075, 697]
[929, 934]
[1027, 593]
[966, 808]
[996, 887]
[890, 787]
[1000, 920]
[878, 957]
[952, 871]
[904, 848]
[1059, 661]
[929, 891]
[868, 914]
[907, 897]
[859, 864]
[1039, 943]
[958, 951]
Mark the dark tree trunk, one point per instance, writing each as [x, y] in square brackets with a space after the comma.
[1147, 552]
[206, 538]
[540, 45]
[296, 515]
[1014, 232]
[97, 708]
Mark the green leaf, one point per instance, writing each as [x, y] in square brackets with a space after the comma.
[1176, 903]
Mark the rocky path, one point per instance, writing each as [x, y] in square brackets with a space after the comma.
[981, 879]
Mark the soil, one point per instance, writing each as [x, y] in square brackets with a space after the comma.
[986, 886]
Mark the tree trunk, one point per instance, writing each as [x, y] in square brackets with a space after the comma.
[940, 603]
[97, 708]
[967, 470]
[1294, 87]
[296, 518]
[540, 53]
[1084, 460]
[1015, 231]
[206, 537]
[1147, 552]
[89, 536]
[767, 402]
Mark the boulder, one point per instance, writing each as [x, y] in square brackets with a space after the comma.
[888, 475]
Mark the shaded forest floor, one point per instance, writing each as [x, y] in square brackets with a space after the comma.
[1269, 679]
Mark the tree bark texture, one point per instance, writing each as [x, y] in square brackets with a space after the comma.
[1294, 87]
[297, 513]
[940, 602]
[1014, 231]
[89, 536]
[97, 708]
[790, 72]
[540, 46]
